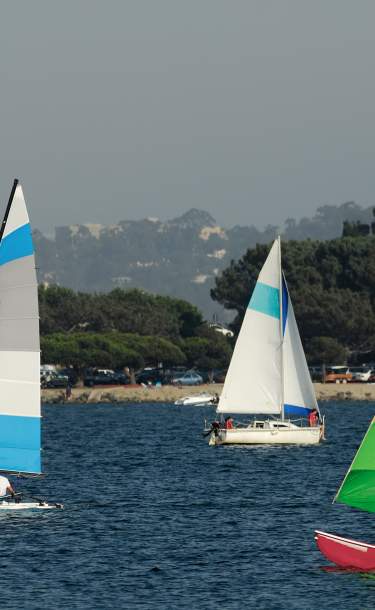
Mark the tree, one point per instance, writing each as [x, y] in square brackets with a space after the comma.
[325, 350]
[332, 286]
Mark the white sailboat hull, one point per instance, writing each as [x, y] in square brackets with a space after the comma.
[196, 400]
[271, 436]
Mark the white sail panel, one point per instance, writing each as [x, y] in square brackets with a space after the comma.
[299, 392]
[253, 381]
[19, 342]
[270, 272]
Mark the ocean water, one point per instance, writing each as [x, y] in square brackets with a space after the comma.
[155, 519]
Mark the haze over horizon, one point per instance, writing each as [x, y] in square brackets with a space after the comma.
[252, 111]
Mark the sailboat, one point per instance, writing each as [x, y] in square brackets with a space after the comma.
[268, 373]
[356, 490]
[20, 412]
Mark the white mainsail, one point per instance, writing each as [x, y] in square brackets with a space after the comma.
[299, 395]
[268, 373]
[19, 342]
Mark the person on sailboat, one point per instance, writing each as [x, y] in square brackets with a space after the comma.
[6, 488]
[228, 423]
[313, 418]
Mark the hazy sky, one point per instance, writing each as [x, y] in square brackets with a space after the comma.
[251, 110]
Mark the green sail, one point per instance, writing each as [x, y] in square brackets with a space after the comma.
[358, 487]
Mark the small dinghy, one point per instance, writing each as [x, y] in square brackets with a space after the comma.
[356, 490]
[20, 412]
[198, 400]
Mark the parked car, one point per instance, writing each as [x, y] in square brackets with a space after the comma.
[213, 375]
[71, 374]
[54, 380]
[222, 329]
[360, 373]
[104, 377]
[150, 375]
[189, 378]
[337, 374]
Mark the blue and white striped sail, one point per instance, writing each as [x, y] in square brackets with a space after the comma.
[268, 372]
[19, 342]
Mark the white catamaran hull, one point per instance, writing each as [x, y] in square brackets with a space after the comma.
[254, 436]
[27, 506]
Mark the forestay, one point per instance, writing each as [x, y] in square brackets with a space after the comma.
[19, 342]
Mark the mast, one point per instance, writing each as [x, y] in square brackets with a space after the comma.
[10, 201]
[281, 330]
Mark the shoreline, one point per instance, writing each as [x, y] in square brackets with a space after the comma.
[140, 394]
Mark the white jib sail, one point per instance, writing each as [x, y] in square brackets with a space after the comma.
[253, 382]
[298, 388]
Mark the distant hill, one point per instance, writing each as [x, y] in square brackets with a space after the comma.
[180, 257]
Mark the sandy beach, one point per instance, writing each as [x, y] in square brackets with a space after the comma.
[353, 391]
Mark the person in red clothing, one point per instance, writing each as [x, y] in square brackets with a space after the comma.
[313, 418]
[228, 423]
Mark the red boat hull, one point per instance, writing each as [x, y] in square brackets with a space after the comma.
[346, 553]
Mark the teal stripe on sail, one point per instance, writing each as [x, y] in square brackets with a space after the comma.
[265, 299]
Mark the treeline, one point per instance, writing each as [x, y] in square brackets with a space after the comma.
[332, 286]
[126, 329]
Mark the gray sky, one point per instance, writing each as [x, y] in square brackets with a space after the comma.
[251, 110]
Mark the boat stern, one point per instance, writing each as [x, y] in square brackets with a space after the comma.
[346, 553]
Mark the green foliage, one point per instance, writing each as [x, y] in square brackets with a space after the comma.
[332, 286]
[109, 350]
[207, 352]
[132, 311]
[325, 350]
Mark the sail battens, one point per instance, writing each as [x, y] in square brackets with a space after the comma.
[20, 421]
[3, 318]
[16, 287]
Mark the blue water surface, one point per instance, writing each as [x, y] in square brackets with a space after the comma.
[155, 519]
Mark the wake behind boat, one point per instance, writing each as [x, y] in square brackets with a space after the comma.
[20, 413]
[268, 373]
